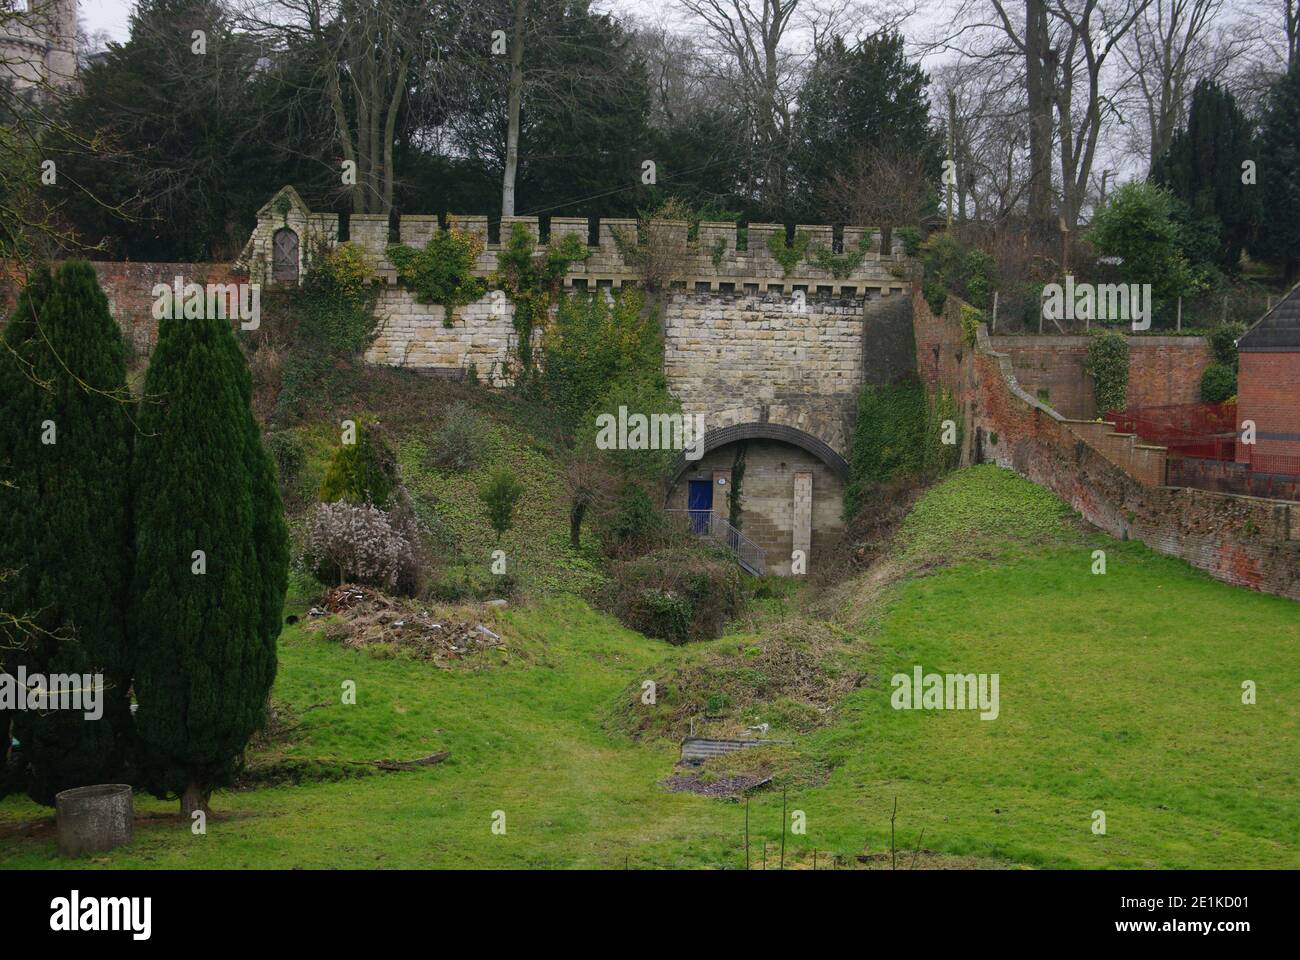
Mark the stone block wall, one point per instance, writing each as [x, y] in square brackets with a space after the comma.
[761, 357]
[775, 477]
[481, 335]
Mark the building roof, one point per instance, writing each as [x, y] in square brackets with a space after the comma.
[1279, 329]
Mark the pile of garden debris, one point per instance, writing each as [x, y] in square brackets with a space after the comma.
[736, 785]
[368, 618]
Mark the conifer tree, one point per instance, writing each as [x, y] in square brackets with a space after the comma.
[1278, 239]
[1203, 168]
[212, 563]
[65, 541]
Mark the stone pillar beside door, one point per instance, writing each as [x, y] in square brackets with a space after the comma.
[801, 514]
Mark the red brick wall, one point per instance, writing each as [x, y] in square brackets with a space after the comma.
[1245, 541]
[129, 288]
[1268, 392]
[1161, 370]
[1164, 370]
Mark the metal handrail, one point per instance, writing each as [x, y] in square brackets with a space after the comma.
[747, 553]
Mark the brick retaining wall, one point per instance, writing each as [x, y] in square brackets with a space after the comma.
[1246, 541]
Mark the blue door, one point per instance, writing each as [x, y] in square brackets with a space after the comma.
[700, 502]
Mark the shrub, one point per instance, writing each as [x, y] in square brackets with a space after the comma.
[1218, 383]
[205, 653]
[636, 524]
[1108, 363]
[361, 472]
[458, 442]
[949, 265]
[500, 495]
[591, 344]
[1139, 225]
[911, 239]
[1223, 343]
[677, 594]
[347, 543]
[337, 304]
[65, 522]
[936, 295]
[287, 452]
[443, 271]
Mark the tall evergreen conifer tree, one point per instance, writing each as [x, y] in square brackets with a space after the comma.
[65, 541]
[1203, 168]
[212, 563]
[1278, 238]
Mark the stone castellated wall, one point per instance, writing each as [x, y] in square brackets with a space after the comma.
[746, 345]
[770, 358]
[744, 341]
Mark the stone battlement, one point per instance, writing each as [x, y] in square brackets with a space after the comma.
[712, 262]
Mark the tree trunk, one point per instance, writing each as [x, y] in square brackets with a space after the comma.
[576, 512]
[516, 96]
[1037, 86]
[194, 798]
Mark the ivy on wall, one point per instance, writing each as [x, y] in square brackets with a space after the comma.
[1108, 364]
[442, 272]
[532, 282]
[900, 434]
[788, 254]
[842, 265]
[737, 482]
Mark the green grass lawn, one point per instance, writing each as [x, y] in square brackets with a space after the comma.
[1119, 693]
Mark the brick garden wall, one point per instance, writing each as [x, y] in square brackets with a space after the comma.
[1245, 541]
[129, 288]
[1162, 370]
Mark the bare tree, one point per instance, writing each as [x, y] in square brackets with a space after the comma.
[364, 52]
[991, 136]
[884, 187]
[1169, 48]
[515, 98]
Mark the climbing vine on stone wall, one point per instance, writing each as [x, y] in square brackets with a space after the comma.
[532, 282]
[841, 265]
[737, 483]
[442, 272]
[788, 254]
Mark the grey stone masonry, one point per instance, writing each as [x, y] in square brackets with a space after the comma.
[737, 347]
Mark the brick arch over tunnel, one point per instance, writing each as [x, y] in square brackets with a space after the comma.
[722, 436]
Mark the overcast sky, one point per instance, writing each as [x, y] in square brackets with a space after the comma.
[112, 16]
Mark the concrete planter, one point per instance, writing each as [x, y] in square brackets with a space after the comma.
[94, 819]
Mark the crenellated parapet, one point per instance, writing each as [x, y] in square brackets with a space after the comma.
[720, 258]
